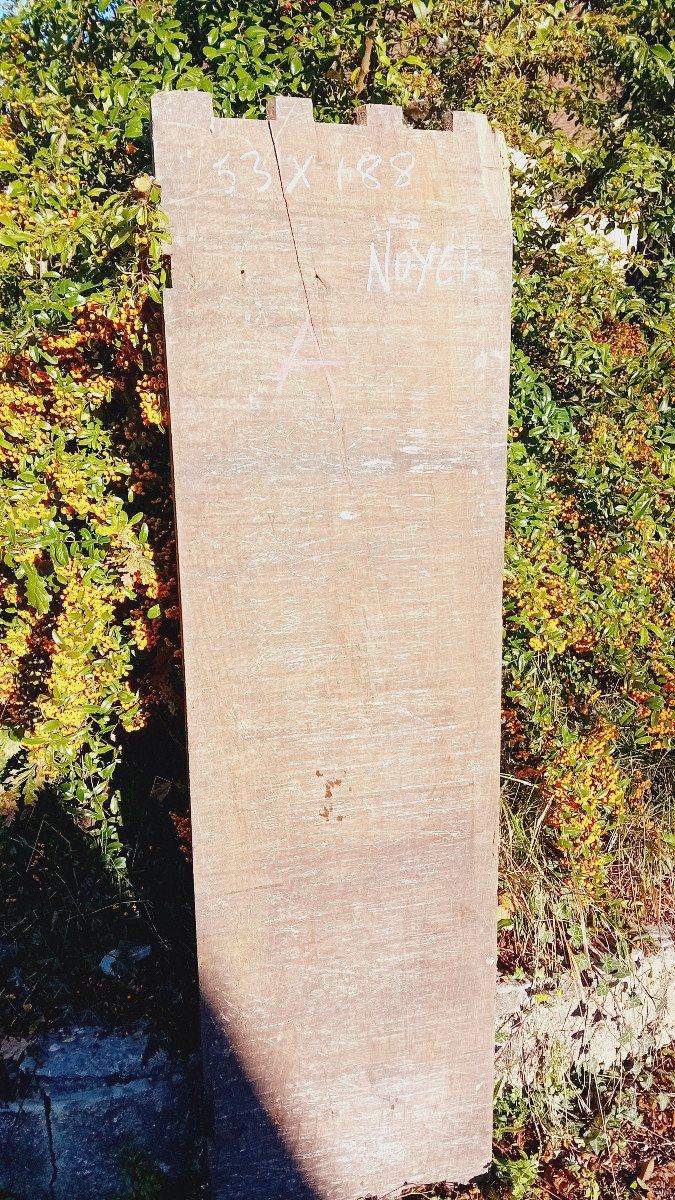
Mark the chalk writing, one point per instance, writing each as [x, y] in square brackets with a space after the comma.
[369, 171]
[258, 170]
[298, 359]
[301, 173]
[365, 166]
[404, 170]
[226, 174]
[437, 265]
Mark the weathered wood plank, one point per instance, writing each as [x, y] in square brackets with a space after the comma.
[337, 343]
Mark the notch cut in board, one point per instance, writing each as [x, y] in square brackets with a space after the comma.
[337, 339]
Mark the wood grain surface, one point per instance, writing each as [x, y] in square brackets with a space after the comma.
[337, 344]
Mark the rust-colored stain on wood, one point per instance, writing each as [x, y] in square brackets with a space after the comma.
[337, 342]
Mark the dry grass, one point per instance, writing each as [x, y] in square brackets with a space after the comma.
[545, 926]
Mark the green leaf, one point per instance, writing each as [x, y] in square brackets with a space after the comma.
[9, 746]
[36, 592]
[134, 127]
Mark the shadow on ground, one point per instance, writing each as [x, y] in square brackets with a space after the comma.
[65, 913]
[80, 945]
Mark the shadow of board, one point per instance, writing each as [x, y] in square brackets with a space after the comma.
[247, 1157]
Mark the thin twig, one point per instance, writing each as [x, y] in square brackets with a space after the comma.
[364, 69]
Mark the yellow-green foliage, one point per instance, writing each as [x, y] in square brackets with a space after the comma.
[584, 94]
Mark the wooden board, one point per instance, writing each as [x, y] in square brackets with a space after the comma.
[337, 345]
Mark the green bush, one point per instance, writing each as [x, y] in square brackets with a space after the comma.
[584, 95]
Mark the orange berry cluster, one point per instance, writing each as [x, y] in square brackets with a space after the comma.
[586, 791]
[623, 339]
[82, 572]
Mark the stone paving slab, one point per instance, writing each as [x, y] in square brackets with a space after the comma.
[26, 1167]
